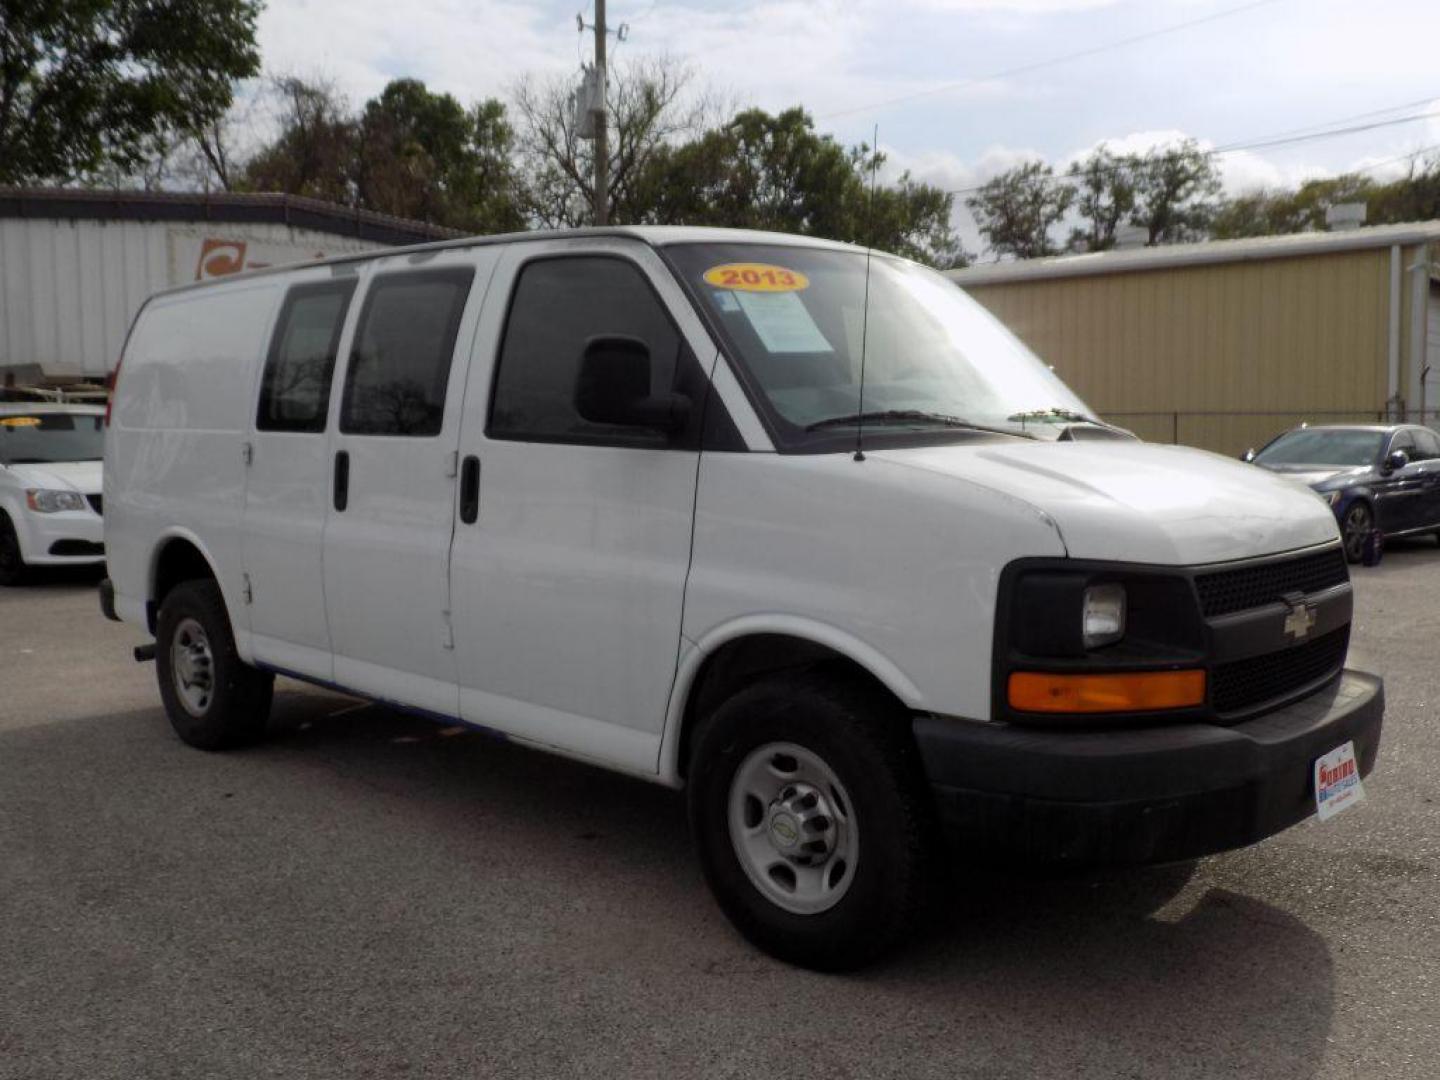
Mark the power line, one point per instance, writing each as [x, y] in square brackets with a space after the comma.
[1429, 99]
[1412, 155]
[644, 14]
[1263, 143]
[1054, 61]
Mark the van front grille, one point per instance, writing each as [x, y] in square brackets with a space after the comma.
[96, 501]
[1247, 684]
[1225, 591]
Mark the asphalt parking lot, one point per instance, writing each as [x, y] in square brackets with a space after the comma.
[370, 895]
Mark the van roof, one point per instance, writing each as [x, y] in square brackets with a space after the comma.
[654, 235]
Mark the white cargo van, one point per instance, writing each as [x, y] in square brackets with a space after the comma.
[802, 530]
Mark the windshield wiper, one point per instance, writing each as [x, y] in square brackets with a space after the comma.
[900, 416]
[1054, 415]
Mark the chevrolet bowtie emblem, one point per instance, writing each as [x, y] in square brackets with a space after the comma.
[1300, 618]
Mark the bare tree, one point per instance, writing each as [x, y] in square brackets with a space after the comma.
[314, 153]
[648, 104]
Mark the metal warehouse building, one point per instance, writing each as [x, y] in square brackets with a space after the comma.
[76, 265]
[1224, 344]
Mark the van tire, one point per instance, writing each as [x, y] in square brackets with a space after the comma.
[13, 570]
[224, 703]
[862, 736]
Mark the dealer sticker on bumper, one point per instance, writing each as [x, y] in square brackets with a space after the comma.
[1337, 782]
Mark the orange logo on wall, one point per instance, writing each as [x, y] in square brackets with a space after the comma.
[220, 257]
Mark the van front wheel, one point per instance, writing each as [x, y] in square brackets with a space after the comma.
[804, 803]
[214, 700]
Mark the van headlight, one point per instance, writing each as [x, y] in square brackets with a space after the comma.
[43, 501]
[1103, 615]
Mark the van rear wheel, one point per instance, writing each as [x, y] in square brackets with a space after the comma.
[214, 700]
[804, 800]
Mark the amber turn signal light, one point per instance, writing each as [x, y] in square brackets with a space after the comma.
[1131, 691]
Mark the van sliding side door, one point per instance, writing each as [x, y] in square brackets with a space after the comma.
[392, 474]
[288, 475]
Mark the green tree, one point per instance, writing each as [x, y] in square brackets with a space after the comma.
[1175, 190]
[1104, 199]
[1016, 210]
[90, 85]
[1415, 197]
[775, 172]
[425, 156]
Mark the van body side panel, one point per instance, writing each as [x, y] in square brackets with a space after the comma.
[902, 567]
[174, 463]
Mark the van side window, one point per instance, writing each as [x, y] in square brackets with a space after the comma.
[558, 305]
[400, 361]
[295, 389]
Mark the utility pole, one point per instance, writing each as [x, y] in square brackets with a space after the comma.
[602, 141]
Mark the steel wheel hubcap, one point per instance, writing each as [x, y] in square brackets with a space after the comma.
[193, 667]
[793, 828]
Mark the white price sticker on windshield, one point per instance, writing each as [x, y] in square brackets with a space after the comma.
[782, 323]
[1337, 782]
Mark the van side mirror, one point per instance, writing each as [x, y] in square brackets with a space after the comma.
[1396, 459]
[613, 387]
[1248, 456]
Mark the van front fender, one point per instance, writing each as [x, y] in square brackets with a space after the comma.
[694, 654]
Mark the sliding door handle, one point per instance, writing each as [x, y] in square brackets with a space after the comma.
[342, 479]
[470, 490]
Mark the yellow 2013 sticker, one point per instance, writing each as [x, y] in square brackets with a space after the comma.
[756, 277]
[19, 421]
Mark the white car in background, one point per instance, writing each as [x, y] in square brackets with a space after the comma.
[50, 484]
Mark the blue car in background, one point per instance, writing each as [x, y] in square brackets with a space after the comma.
[1374, 476]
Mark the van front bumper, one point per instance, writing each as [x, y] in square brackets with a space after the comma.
[1145, 795]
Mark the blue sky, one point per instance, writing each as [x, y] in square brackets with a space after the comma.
[1277, 66]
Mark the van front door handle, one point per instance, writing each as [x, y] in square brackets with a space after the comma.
[470, 490]
[342, 479]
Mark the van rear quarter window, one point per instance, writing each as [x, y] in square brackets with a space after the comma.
[295, 393]
[400, 360]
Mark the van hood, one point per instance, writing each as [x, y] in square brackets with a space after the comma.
[81, 476]
[1139, 502]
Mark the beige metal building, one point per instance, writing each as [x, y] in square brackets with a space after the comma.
[1224, 344]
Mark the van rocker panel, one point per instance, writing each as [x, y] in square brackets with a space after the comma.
[1146, 795]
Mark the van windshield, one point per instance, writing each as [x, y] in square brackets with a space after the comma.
[46, 438]
[937, 364]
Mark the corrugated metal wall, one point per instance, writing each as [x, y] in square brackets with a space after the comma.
[69, 289]
[1163, 352]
